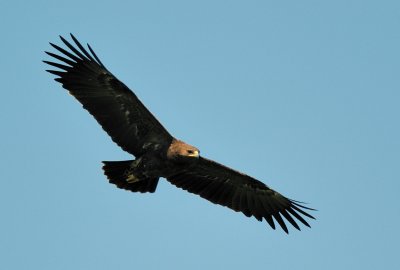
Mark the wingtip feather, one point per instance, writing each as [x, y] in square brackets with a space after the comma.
[281, 222]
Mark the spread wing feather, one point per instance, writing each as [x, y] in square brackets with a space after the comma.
[242, 193]
[117, 109]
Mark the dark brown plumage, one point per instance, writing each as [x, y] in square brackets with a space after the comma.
[158, 154]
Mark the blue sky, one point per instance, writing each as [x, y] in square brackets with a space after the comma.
[303, 95]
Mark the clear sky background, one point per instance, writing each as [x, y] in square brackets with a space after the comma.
[303, 95]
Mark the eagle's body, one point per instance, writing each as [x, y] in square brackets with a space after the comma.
[157, 153]
[160, 161]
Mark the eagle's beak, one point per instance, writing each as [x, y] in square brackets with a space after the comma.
[195, 154]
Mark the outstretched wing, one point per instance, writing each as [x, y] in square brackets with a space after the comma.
[117, 109]
[222, 185]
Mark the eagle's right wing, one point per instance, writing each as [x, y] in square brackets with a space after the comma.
[240, 192]
[117, 109]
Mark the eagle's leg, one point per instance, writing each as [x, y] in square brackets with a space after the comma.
[130, 178]
[135, 171]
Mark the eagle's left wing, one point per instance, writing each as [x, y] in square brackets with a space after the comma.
[225, 186]
[117, 109]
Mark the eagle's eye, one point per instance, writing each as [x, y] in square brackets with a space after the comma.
[190, 151]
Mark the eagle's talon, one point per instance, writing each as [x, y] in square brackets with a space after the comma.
[132, 179]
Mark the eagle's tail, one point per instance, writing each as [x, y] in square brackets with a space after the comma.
[117, 174]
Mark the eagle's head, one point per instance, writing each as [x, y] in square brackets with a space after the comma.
[182, 152]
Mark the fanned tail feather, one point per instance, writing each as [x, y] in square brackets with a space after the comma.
[116, 174]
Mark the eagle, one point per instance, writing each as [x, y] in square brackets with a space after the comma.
[157, 153]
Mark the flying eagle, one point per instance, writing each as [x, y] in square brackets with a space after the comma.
[158, 154]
